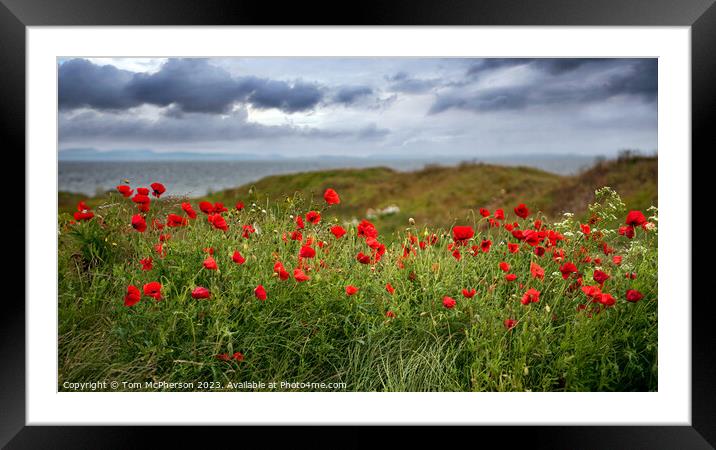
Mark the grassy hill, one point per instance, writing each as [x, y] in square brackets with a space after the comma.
[439, 196]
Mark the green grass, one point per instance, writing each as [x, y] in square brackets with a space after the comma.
[313, 332]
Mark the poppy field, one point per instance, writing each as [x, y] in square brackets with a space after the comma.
[236, 296]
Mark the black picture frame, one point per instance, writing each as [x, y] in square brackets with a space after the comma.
[699, 15]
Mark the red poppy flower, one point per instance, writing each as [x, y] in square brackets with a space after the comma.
[200, 292]
[499, 214]
[567, 269]
[188, 210]
[449, 302]
[462, 233]
[389, 287]
[504, 267]
[154, 290]
[627, 231]
[390, 315]
[367, 229]
[307, 252]
[585, 229]
[635, 219]
[616, 259]
[600, 277]
[338, 231]
[510, 324]
[223, 357]
[456, 254]
[350, 289]
[299, 223]
[238, 356]
[531, 296]
[540, 251]
[313, 216]
[219, 208]
[484, 212]
[237, 258]
[536, 271]
[142, 191]
[125, 190]
[260, 292]
[331, 197]
[485, 245]
[159, 248]
[158, 189]
[141, 198]
[632, 295]
[206, 207]
[132, 297]
[607, 300]
[510, 277]
[175, 220]
[522, 211]
[362, 258]
[631, 276]
[469, 294]
[296, 235]
[513, 248]
[146, 263]
[247, 231]
[138, 223]
[300, 275]
[239, 205]
[210, 263]
[82, 216]
[218, 222]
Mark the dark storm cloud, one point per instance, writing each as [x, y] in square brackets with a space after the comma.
[191, 85]
[348, 95]
[561, 83]
[404, 83]
[193, 127]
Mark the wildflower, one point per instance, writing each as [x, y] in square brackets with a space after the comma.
[449, 302]
[627, 231]
[632, 295]
[600, 276]
[138, 223]
[513, 248]
[175, 220]
[567, 269]
[469, 294]
[522, 211]
[157, 189]
[331, 197]
[350, 289]
[460, 234]
[200, 292]
[239, 205]
[389, 287]
[210, 263]
[154, 290]
[247, 231]
[307, 252]
[238, 356]
[531, 296]
[635, 219]
[125, 190]
[510, 277]
[510, 324]
[485, 245]
[132, 297]
[300, 275]
[83, 212]
[206, 207]
[363, 258]
[338, 231]
[146, 263]
[260, 292]
[499, 214]
[504, 266]
[237, 258]
[585, 229]
[223, 356]
[484, 212]
[313, 216]
[219, 208]
[616, 259]
[536, 271]
[186, 207]
[367, 229]
[390, 315]
[218, 222]
[607, 300]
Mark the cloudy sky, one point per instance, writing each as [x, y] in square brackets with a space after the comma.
[359, 106]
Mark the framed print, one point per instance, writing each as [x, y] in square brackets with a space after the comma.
[416, 216]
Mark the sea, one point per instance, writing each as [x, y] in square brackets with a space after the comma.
[198, 178]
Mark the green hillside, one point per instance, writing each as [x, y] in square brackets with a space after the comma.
[438, 195]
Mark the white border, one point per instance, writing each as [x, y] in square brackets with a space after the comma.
[670, 405]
